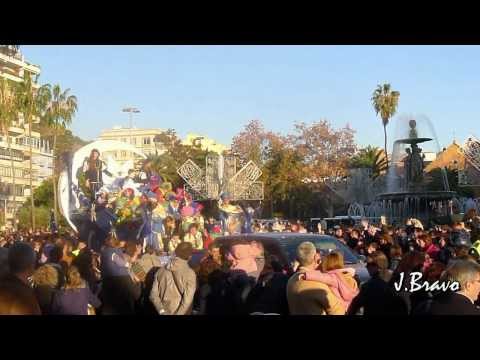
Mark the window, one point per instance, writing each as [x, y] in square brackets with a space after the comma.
[4, 171]
[133, 141]
[7, 172]
[124, 140]
[124, 154]
[5, 154]
[146, 141]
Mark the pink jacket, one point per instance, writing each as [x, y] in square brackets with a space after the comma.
[335, 279]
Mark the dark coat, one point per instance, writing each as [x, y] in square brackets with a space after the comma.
[228, 293]
[377, 298]
[45, 296]
[449, 303]
[269, 294]
[74, 301]
[11, 284]
[120, 295]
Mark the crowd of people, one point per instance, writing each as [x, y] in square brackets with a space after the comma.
[413, 270]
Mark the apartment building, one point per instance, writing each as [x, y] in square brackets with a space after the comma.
[13, 66]
[142, 139]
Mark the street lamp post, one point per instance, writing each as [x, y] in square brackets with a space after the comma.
[131, 110]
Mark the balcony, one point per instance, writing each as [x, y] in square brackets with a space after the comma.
[15, 130]
[20, 61]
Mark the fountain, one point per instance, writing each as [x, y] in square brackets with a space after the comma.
[408, 194]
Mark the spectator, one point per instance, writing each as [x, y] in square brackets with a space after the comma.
[194, 237]
[339, 234]
[149, 260]
[412, 262]
[459, 300]
[425, 243]
[372, 248]
[339, 279]
[269, 295]
[55, 260]
[301, 228]
[173, 243]
[460, 236]
[16, 294]
[169, 233]
[119, 293]
[354, 239]
[386, 242]
[76, 297]
[175, 284]
[372, 234]
[376, 297]
[310, 297]
[431, 275]
[86, 264]
[395, 257]
[45, 284]
[211, 262]
[445, 252]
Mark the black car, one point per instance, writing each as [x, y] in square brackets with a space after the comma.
[284, 246]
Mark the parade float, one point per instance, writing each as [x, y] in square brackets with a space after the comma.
[99, 195]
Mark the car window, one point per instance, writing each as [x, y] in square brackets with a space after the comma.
[325, 244]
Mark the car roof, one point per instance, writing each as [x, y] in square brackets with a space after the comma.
[274, 236]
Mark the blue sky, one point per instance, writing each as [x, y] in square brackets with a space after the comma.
[216, 90]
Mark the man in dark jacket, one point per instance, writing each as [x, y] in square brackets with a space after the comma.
[465, 275]
[269, 295]
[376, 297]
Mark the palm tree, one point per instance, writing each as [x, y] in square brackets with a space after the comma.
[59, 112]
[31, 103]
[8, 114]
[372, 158]
[385, 103]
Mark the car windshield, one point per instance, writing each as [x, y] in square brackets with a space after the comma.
[325, 244]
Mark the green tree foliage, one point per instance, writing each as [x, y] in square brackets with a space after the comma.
[436, 182]
[173, 154]
[44, 203]
[41, 213]
[371, 158]
[290, 163]
[43, 194]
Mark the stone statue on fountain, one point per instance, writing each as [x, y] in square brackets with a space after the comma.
[414, 161]
[417, 164]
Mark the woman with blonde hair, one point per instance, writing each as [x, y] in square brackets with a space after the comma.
[45, 284]
[76, 297]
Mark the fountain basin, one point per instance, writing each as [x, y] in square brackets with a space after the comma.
[430, 207]
[425, 195]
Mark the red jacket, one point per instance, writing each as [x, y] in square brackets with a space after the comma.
[433, 251]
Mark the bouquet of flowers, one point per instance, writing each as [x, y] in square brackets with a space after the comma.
[126, 207]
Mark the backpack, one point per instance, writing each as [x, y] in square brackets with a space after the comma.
[167, 295]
